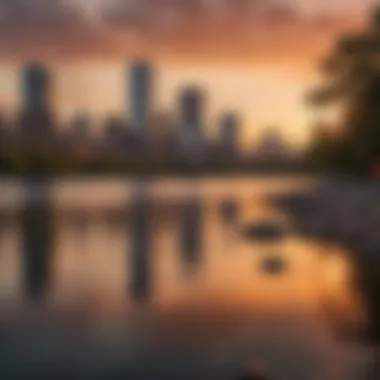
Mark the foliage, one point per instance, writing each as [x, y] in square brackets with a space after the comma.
[353, 81]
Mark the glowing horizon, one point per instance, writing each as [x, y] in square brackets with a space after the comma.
[254, 57]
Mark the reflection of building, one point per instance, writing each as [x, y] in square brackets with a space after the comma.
[229, 130]
[36, 118]
[141, 96]
[228, 210]
[191, 119]
[37, 244]
[140, 259]
[191, 233]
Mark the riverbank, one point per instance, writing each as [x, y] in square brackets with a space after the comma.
[345, 212]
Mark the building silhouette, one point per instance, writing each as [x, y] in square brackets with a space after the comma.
[5, 133]
[191, 109]
[229, 125]
[141, 95]
[115, 133]
[272, 147]
[36, 120]
[36, 83]
[80, 126]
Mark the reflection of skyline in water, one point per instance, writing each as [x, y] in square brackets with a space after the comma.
[231, 307]
[229, 210]
[37, 232]
[191, 234]
[141, 246]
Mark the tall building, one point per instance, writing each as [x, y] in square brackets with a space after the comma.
[141, 96]
[229, 132]
[191, 109]
[36, 116]
[35, 87]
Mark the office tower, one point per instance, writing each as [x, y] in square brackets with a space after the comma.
[35, 87]
[191, 109]
[141, 96]
[191, 105]
[36, 118]
[229, 131]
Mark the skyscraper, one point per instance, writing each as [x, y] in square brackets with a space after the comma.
[229, 129]
[191, 108]
[141, 95]
[36, 117]
[35, 87]
[191, 105]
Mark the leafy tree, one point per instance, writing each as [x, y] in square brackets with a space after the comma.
[352, 72]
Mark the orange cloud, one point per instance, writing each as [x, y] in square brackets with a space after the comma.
[224, 31]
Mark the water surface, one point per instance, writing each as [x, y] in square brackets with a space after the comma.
[155, 280]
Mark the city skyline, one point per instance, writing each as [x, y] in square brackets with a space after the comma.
[266, 62]
[208, 122]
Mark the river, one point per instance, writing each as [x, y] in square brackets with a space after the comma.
[123, 279]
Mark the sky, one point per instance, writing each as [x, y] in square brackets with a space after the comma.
[254, 57]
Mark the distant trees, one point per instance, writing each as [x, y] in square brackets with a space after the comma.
[352, 73]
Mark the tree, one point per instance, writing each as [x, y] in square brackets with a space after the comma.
[352, 73]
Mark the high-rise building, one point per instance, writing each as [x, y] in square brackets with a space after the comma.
[36, 117]
[35, 87]
[191, 109]
[141, 96]
[229, 131]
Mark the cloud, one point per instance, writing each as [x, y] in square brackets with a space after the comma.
[49, 29]
[227, 30]
[250, 30]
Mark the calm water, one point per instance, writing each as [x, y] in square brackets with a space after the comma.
[130, 280]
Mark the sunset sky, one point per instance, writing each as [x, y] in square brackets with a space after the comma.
[257, 57]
